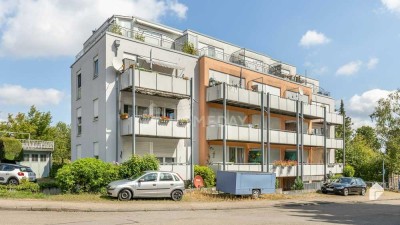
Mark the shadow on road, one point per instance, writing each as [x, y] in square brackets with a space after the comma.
[347, 213]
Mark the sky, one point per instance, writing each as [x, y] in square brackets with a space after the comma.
[350, 46]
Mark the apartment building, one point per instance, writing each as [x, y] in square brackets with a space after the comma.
[190, 98]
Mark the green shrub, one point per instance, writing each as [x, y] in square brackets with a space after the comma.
[116, 29]
[54, 168]
[348, 171]
[206, 173]
[298, 184]
[86, 175]
[10, 149]
[136, 165]
[49, 184]
[336, 176]
[276, 183]
[24, 185]
[189, 48]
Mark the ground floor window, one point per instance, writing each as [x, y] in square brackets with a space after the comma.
[255, 156]
[291, 155]
[166, 160]
[236, 154]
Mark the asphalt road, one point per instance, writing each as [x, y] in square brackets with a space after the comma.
[382, 212]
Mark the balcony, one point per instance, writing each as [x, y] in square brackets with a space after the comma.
[281, 171]
[241, 97]
[251, 134]
[38, 145]
[154, 127]
[153, 83]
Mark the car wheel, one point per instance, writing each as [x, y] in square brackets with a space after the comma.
[363, 192]
[345, 192]
[124, 195]
[176, 195]
[255, 193]
[13, 181]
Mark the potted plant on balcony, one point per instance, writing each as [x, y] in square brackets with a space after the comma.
[185, 78]
[124, 116]
[255, 126]
[139, 37]
[116, 29]
[146, 117]
[164, 119]
[183, 121]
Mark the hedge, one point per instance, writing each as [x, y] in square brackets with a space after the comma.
[136, 165]
[10, 149]
[348, 171]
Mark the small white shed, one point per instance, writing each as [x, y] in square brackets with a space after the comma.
[375, 192]
[38, 156]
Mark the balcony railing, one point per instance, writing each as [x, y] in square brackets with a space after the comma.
[37, 145]
[154, 83]
[281, 171]
[247, 133]
[156, 127]
[250, 99]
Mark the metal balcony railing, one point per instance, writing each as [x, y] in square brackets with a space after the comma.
[36, 144]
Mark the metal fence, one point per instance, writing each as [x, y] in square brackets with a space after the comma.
[312, 186]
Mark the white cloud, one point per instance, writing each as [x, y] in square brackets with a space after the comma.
[359, 107]
[59, 28]
[349, 68]
[372, 63]
[18, 95]
[392, 5]
[312, 38]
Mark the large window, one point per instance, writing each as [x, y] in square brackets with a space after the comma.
[160, 111]
[96, 109]
[35, 157]
[79, 121]
[227, 78]
[236, 155]
[290, 155]
[78, 86]
[95, 67]
[43, 157]
[140, 110]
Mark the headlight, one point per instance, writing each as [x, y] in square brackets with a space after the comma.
[111, 187]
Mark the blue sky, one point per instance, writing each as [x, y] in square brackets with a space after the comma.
[350, 46]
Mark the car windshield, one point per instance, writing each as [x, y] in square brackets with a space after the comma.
[344, 180]
[25, 169]
[134, 177]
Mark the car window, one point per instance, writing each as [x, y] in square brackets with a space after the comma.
[8, 168]
[150, 177]
[345, 180]
[1, 167]
[176, 178]
[166, 177]
[360, 181]
[25, 169]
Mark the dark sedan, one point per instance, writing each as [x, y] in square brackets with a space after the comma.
[346, 186]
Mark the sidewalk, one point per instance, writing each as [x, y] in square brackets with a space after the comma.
[167, 205]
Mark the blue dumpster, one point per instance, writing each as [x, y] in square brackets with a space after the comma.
[246, 183]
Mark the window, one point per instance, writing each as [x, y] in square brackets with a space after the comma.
[78, 152]
[149, 177]
[26, 157]
[140, 110]
[166, 160]
[291, 155]
[236, 155]
[128, 109]
[79, 85]
[96, 109]
[170, 113]
[157, 111]
[96, 149]
[160, 111]
[95, 67]
[43, 158]
[35, 157]
[166, 177]
[79, 121]
[8, 168]
[176, 178]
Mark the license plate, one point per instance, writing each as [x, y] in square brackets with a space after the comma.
[329, 189]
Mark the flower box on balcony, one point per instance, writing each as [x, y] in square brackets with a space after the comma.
[124, 116]
[284, 163]
[164, 119]
[146, 117]
[183, 121]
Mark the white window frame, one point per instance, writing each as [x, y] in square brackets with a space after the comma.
[95, 109]
[96, 67]
[79, 121]
[78, 85]
[96, 149]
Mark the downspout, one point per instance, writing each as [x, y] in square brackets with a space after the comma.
[132, 76]
[191, 132]
[325, 156]
[224, 127]
[268, 130]
[262, 132]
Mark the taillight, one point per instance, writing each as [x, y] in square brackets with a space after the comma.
[21, 174]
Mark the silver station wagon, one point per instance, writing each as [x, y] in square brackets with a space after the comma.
[149, 184]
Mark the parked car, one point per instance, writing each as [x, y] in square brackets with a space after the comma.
[13, 174]
[149, 184]
[345, 186]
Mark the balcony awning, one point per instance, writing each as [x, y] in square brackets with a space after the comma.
[162, 64]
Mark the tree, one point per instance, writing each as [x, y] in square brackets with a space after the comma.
[38, 125]
[387, 118]
[348, 131]
[369, 135]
